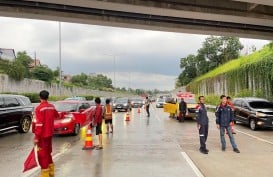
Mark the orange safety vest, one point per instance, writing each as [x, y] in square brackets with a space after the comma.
[108, 112]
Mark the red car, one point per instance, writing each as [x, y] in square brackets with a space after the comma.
[74, 114]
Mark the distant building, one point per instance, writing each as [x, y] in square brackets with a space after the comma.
[67, 77]
[35, 62]
[7, 54]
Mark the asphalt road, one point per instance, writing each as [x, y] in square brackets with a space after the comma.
[158, 146]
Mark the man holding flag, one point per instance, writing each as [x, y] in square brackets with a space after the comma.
[44, 127]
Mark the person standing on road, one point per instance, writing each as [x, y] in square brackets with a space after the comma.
[202, 124]
[229, 102]
[224, 116]
[147, 106]
[182, 110]
[108, 116]
[97, 121]
[43, 130]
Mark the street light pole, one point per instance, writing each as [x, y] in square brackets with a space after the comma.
[60, 59]
[114, 71]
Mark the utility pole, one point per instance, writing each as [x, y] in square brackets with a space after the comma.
[114, 57]
[60, 59]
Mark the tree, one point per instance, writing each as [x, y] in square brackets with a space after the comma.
[56, 72]
[42, 73]
[219, 50]
[15, 70]
[4, 64]
[80, 80]
[270, 45]
[189, 67]
[25, 60]
[215, 51]
[99, 81]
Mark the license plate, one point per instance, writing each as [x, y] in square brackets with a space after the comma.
[119, 107]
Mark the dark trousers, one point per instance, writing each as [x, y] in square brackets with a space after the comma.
[148, 110]
[182, 115]
[203, 134]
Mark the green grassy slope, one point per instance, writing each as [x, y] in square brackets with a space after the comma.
[237, 63]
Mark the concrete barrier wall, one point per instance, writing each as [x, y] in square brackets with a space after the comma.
[34, 86]
[222, 84]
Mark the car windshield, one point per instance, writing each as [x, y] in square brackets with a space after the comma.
[66, 107]
[260, 104]
[137, 100]
[121, 101]
[160, 100]
[190, 101]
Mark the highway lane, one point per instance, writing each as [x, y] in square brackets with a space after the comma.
[255, 158]
[14, 148]
[256, 149]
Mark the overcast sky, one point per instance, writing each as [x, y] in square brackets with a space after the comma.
[143, 59]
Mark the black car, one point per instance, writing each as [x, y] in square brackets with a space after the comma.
[255, 112]
[15, 113]
[121, 104]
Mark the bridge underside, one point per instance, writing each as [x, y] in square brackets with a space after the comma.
[243, 18]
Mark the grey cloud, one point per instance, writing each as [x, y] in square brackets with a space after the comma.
[90, 48]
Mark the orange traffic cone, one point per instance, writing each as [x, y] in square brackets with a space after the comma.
[127, 117]
[138, 111]
[88, 140]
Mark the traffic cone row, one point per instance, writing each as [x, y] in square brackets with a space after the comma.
[88, 140]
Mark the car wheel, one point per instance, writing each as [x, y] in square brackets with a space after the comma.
[24, 125]
[252, 124]
[76, 129]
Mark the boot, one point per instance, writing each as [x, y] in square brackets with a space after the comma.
[44, 173]
[51, 170]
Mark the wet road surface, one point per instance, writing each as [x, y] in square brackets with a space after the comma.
[139, 147]
[151, 147]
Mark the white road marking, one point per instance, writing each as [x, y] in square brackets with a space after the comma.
[192, 165]
[255, 137]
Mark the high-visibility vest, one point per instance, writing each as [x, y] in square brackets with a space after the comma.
[108, 112]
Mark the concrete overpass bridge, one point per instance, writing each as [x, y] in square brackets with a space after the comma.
[243, 18]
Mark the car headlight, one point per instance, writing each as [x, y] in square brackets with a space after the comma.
[125, 104]
[67, 118]
[114, 104]
[259, 114]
